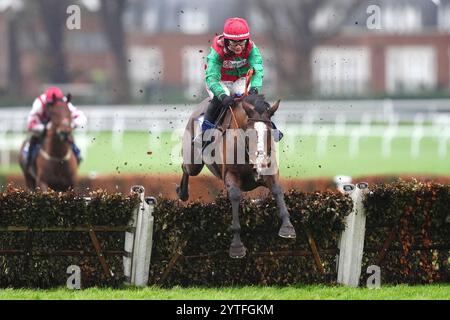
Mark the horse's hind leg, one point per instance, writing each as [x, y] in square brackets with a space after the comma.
[183, 188]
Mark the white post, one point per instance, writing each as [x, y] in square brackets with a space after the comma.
[138, 244]
[129, 244]
[351, 244]
[341, 181]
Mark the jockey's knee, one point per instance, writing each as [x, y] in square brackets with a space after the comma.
[213, 109]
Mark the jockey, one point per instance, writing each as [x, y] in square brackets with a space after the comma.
[231, 55]
[38, 120]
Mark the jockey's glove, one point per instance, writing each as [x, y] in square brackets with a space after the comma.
[227, 101]
[253, 91]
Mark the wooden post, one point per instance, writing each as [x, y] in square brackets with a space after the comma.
[172, 262]
[99, 252]
[351, 244]
[315, 253]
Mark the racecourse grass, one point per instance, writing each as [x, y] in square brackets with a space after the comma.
[299, 156]
[299, 292]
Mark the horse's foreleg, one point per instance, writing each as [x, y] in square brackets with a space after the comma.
[287, 229]
[237, 249]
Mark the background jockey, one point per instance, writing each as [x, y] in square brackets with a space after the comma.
[231, 55]
[38, 120]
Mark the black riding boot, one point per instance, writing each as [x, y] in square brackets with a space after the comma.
[210, 118]
[213, 110]
[34, 141]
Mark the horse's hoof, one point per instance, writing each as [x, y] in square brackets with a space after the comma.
[237, 252]
[182, 196]
[287, 232]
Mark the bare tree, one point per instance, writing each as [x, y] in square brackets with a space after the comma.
[53, 16]
[112, 17]
[291, 30]
[14, 60]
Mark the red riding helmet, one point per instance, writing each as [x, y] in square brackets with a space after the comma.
[236, 29]
[53, 92]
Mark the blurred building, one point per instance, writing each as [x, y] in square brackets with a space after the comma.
[410, 53]
[168, 41]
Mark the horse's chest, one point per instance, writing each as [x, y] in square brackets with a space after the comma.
[248, 178]
[54, 171]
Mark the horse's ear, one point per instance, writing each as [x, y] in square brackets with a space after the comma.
[274, 108]
[249, 109]
[69, 97]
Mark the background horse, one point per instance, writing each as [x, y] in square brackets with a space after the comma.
[56, 164]
[253, 114]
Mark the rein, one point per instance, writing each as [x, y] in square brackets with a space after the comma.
[248, 78]
[259, 120]
[234, 117]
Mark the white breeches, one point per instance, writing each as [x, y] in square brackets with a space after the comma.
[231, 88]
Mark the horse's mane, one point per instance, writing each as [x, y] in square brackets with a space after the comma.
[258, 101]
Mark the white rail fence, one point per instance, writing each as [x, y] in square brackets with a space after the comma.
[351, 244]
[415, 120]
[138, 244]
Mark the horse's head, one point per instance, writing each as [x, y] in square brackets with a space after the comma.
[259, 113]
[60, 118]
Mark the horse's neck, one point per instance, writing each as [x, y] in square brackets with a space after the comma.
[55, 147]
[235, 119]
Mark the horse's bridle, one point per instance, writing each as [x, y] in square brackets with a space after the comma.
[65, 137]
[261, 157]
[259, 120]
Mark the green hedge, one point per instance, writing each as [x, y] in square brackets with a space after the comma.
[205, 228]
[64, 210]
[191, 241]
[416, 215]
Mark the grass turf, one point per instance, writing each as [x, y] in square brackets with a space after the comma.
[299, 292]
[299, 156]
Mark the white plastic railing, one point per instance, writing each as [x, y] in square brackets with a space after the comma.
[138, 244]
[351, 244]
[322, 119]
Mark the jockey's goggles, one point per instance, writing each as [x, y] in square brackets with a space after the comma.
[234, 44]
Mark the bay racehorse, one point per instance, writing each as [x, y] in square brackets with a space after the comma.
[56, 164]
[243, 156]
